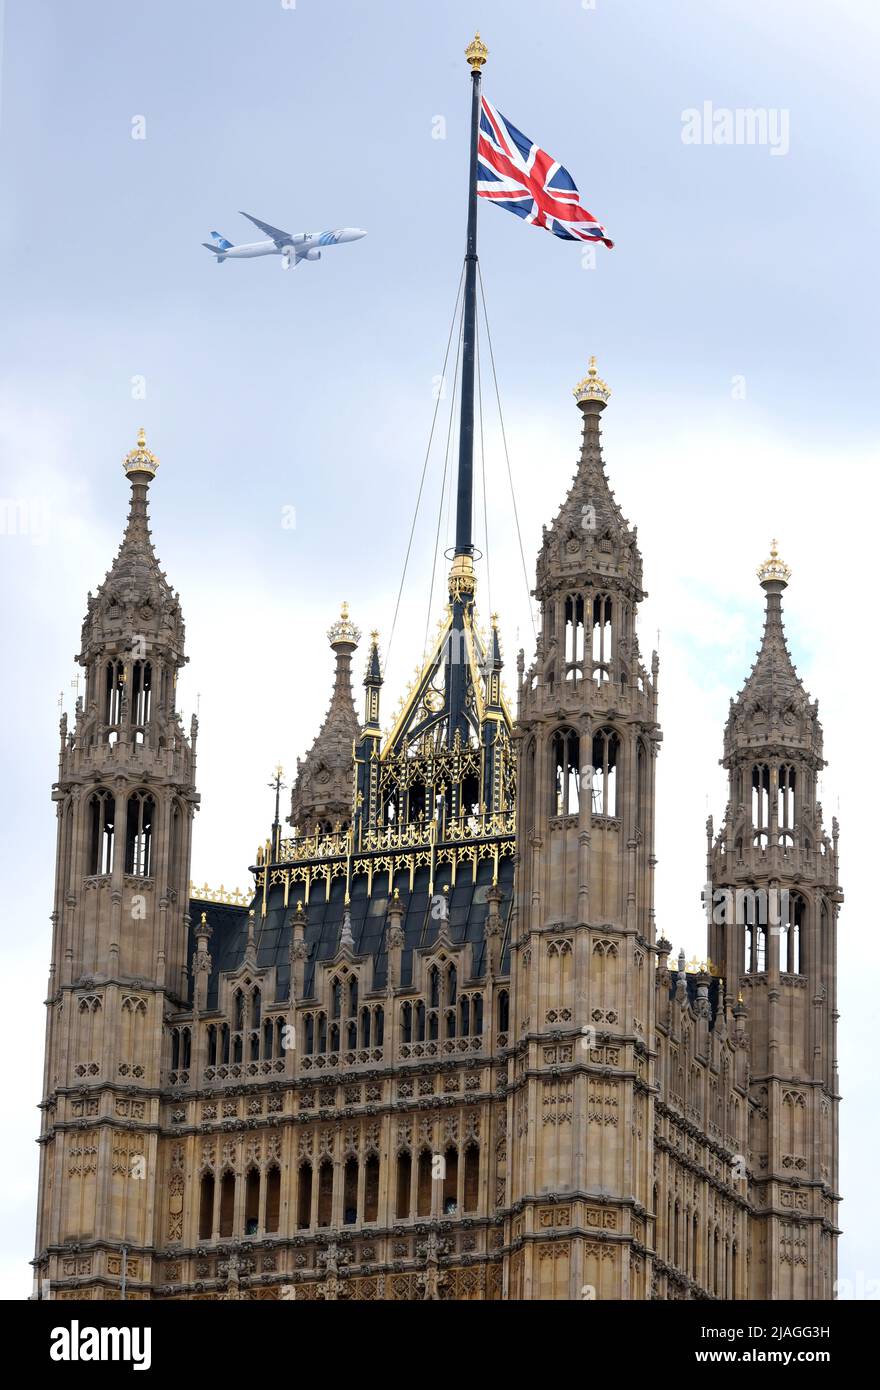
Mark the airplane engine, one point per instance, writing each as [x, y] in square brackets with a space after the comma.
[313, 255]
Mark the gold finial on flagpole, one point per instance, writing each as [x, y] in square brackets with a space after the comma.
[476, 52]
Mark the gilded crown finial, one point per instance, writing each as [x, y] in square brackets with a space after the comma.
[476, 53]
[774, 569]
[344, 630]
[592, 387]
[139, 460]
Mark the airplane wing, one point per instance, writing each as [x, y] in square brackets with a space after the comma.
[280, 238]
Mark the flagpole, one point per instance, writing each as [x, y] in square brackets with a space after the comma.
[461, 577]
[476, 53]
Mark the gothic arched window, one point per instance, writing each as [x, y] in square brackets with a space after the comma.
[641, 784]
[102, 812]
[273, 1197]
[252, 1202]
[141, 697]
[423, 1191]
[371, 1188]
[566, 751]
[227, 1203]
[503, 1011]
[606, 756]
[471, 1177]
[477, 1020]
[350, 1192]
[304, 1196]
[761, 804]
[602, 638]
[206, 1206]
[791, 941]
[451, 984]
[574, 639]
[114, 689]
[139, 826]
[404, 1182]
[450, 1182]
[325, 1193]
[785, 805]
[464, 1012]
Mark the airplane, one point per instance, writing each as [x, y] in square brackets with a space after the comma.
[292, 247]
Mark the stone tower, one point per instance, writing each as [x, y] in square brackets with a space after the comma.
[125, 798]
[773, 877]
[582, 971]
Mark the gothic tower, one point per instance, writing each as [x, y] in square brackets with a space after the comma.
[582, 969]
[125, 798]
[774, 898]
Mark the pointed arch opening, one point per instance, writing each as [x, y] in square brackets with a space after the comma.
[566, 771]
[273, 1198]
[350, 1192]
[206, 1206]
[404, 1183]
[325, 1193]
[371, 1188]
[227, 1203]
[304, 1197]
[252, 1202]
[602, 638]
[139, 828]
[102, 814]
[606, 758]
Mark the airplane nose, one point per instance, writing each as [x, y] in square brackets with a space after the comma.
[354, 233]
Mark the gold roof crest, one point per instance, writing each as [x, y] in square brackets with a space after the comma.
[139, 459]
[774, 568]
[592, 387]
[344, 630]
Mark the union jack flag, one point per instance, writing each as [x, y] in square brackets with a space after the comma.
[518, 175]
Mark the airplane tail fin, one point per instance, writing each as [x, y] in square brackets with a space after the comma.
[220, 254]
[222, 242]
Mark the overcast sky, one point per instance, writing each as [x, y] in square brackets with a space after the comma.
[735, 320]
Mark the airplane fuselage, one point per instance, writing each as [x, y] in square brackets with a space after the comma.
[300, 243]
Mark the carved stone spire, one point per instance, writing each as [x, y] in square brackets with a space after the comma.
[589, 530]
[346, 938]
[135, 596]
[773, 707]
[323, 790]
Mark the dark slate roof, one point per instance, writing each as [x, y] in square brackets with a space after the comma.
[468, 908]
